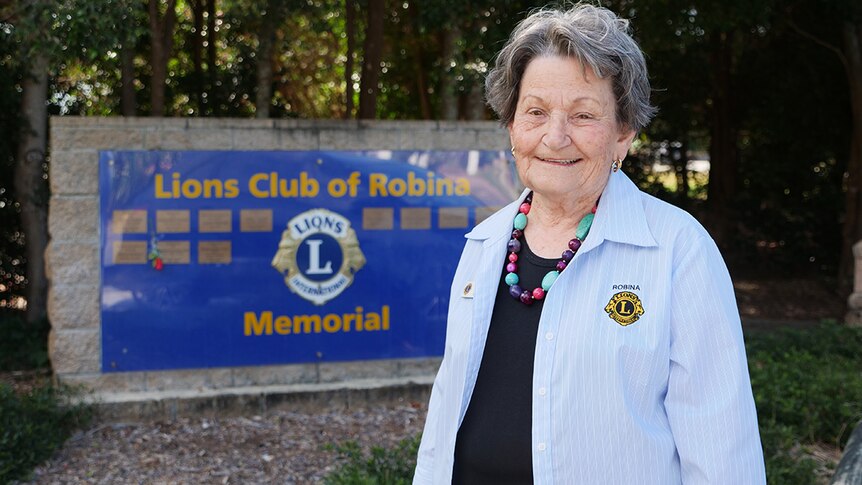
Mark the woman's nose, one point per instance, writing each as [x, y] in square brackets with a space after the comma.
[557, 136]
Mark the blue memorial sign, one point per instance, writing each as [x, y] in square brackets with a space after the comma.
[213, 259]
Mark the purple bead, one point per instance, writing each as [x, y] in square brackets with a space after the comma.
[526, 298]
[517, 233]
[512, 268]
[514, 246]
[515, 291]
[561, 265]
[575, 244]
[568, 254]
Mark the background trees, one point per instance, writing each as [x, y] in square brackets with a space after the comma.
[770, 92]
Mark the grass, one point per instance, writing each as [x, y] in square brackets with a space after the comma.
[808, 390]
[37, 418]
[33, 425]
[807, 386]
[378, 466]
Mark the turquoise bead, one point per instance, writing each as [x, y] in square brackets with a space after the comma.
[549, 279]
[584, 227]
[512, 279]
[520, 221]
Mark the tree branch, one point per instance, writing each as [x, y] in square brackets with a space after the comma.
[819, 41]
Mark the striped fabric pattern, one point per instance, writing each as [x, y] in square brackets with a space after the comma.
[663, 400]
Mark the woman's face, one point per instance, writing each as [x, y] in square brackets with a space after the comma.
[565, 130]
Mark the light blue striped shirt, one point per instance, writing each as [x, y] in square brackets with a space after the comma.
[663, 400]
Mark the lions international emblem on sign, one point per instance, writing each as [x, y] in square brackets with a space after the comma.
[318, 255]
[625, 308]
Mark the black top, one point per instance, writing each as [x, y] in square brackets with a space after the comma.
[494, 441]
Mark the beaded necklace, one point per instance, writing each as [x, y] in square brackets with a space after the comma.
[527, 297]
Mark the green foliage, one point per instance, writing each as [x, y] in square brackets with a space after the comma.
[810, 381]
[33, 425]
[785, 463]
[808, 388]
[22, 345]
[380, 466]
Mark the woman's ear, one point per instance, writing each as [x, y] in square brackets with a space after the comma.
[624, 142]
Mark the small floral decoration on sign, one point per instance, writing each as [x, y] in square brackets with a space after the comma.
[155, 257]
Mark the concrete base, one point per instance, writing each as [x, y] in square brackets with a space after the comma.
[169, 405]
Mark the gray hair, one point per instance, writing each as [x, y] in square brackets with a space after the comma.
[593, 35]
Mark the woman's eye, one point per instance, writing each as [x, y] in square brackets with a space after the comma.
[584, 116]
[535, 112]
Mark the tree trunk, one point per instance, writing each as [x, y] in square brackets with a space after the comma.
[474, 107]
[680, 166]
[266, 40]
[722, 149]
[161, 35]
[852, 230]
[350, 25]
[371, 60]
[197, 42]
[211, 58]
[448, 86]
[127, 79]
[31, 188]
[419, 69]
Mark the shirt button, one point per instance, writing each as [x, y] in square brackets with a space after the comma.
[541, 447]
[549, 336]
[542, 391]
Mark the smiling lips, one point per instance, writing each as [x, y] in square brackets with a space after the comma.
[559, 162]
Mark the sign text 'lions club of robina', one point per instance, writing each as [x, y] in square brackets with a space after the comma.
[284, 257]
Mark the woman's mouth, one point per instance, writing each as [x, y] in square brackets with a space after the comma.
[560, 161]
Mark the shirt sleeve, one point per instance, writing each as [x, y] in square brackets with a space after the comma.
[709, 402]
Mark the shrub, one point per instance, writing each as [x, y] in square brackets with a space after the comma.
[808, 388]
[809, 380]
[379, 467]
[23, 346]
[33, 425]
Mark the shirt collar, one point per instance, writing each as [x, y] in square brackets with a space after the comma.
[620, 217]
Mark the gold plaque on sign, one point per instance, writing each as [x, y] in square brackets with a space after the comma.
[255, 220]
[173, 221]
[129, 252]
[129, 222]
[214, 252]
[483, 213]
[175, 252]
[377, 218]
[452, 217]
[214, 221]
[416, 218]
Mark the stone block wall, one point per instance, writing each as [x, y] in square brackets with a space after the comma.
[73, 224]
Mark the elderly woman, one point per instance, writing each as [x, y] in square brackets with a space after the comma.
[593, 335]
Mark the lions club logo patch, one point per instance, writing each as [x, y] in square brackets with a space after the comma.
[625, 308]
[318, 255]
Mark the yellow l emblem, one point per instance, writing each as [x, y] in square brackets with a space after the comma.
[625, 308]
